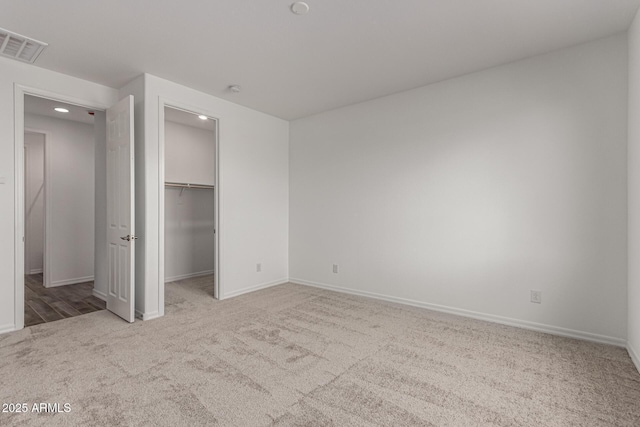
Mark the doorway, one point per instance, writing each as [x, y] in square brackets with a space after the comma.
[61, 155]
[111, 182]
[189, 204]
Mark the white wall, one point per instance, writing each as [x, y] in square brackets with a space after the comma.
[466, 194]
[633, 327]
[34, 202]
[189, 234]
[12, 73]
[70, 201]
[189, 153]
[189, 220]
[101, 256]
[254, 192]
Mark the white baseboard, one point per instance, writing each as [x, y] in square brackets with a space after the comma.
[525, 324]
[70, 281]
[254, 288]
[98, 294]
[7, 328]
[188, 276]
[634, 355]
[35, 271]
[147, 316]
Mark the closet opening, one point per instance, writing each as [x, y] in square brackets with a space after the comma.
[189, 143]
[63, 189]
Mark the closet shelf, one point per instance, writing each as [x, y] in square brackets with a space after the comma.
[187, 185]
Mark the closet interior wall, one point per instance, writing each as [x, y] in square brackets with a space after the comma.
[189, 208]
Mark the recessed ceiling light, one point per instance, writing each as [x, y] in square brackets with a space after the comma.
[61, 110]
[300, 8]
[201, 117]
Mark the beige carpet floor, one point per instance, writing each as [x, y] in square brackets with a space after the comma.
[294, 355]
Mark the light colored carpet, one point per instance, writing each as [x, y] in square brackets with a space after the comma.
[293, 355]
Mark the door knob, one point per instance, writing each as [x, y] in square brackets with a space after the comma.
[129, 237]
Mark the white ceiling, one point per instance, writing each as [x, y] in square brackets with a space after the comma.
[188, 119]
[342, 52]
[45, 107]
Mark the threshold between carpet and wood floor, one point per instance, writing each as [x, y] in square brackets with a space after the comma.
[61, 302]
[296, 355]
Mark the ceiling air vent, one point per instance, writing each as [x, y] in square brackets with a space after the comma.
[19, 47]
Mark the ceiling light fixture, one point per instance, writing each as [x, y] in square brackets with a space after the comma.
[201, 117]
[61, 110]
[234, 88]
[300, 8]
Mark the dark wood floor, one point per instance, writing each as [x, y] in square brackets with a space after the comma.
[50, 304]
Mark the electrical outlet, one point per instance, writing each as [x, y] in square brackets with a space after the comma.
[335, 268]
[536, 296]
[258, 267]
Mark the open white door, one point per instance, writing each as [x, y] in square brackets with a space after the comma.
[120, 209]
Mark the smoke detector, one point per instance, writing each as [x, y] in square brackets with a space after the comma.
[234, 88]
[21, 48]
[300, 8]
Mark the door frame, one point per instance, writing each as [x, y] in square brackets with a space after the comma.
[19, 92]
[46, 252]
[217, 220]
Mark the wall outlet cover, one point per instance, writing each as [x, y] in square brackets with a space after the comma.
[536, 296]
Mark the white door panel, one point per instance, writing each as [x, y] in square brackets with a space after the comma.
[120, 209]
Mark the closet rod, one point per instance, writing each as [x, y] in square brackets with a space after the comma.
[186, 185]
